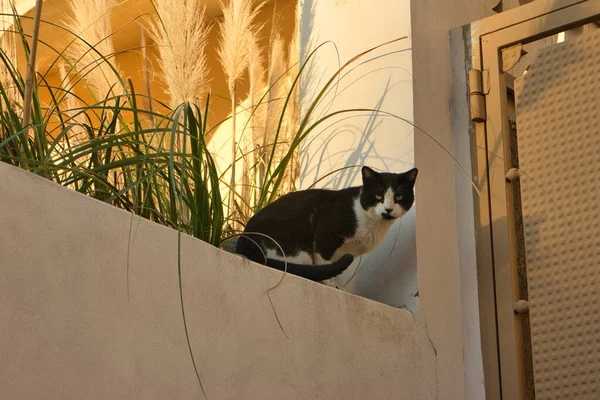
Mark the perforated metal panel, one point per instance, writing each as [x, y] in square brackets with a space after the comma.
[558, 123]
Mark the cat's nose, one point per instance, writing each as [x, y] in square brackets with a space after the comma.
[388, 210]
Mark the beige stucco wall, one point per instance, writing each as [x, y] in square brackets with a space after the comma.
[445, 226]
[69, 330]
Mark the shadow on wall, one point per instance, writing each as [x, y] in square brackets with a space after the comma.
[307, 43]
[389, 274]
[362, 148]
[335, 150]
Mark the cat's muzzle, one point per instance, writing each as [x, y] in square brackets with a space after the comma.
[387, 216]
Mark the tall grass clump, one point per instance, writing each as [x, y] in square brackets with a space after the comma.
[106, 148]
[271, 122]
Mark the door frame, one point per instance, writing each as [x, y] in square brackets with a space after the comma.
[501, 330]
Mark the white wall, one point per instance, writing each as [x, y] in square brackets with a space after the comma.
[389, 273]
[71, 329]
[445, 227]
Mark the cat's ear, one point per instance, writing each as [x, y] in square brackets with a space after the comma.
[411, 175]
[368, 173]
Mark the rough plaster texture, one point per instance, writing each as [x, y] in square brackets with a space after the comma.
[448, 275]
[382, 81]
[70, 329]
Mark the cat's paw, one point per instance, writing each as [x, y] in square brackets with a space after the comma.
[343, 289]
[332, 283]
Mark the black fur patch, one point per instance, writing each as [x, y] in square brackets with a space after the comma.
[314, 220]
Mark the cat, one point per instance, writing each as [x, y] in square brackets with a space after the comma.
[321, 231]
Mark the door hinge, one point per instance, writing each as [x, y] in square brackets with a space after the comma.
[477, 95]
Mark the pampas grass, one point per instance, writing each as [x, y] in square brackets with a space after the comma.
[276, 79]
[77, 134]
[256, 75]
[181, 36]
[6, 79]
[276, 69]
[90, 20]
[256, 69]
[237, 30]
[266, 138]
[293, 111]
[147, 74]
[8, 44]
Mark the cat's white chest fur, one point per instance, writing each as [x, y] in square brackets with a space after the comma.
[371, 230]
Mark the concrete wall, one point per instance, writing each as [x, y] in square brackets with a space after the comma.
[388, 274]
[71, 329]
[445, 208]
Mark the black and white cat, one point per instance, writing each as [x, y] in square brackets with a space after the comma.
[321, 231]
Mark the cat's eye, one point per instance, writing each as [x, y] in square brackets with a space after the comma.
[399, 197]
[379, 197]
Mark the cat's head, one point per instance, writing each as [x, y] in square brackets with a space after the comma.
[386, 195]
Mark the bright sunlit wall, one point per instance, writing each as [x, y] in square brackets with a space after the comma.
[381, 80]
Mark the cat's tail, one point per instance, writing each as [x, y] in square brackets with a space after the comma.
[314, 272]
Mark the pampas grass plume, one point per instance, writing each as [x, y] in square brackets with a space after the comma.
[181, 36]
[90, 20]
[237, 30]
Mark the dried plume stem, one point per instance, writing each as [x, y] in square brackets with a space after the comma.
[237, 26]
[233, 147]
[256, 71]
[276, 69]
[29, 80]
[146, 67]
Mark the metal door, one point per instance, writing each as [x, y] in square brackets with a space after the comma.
[536, 151]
